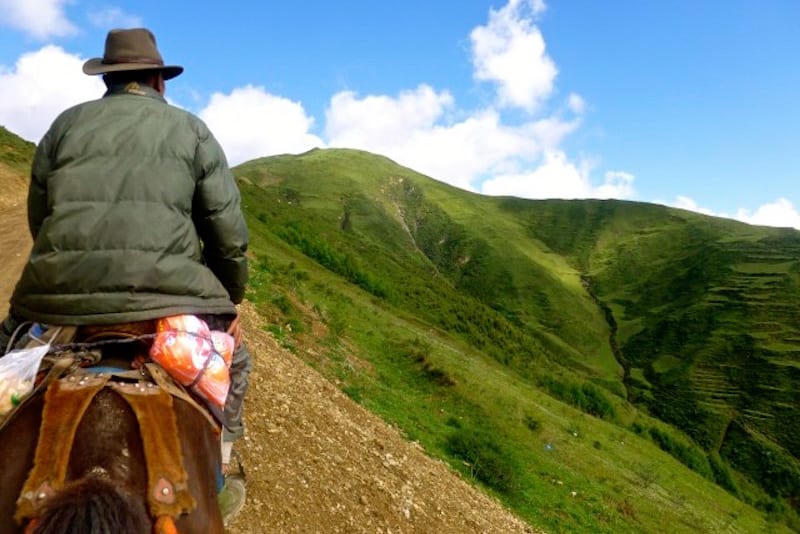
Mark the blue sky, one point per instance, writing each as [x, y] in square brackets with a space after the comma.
[686, 103]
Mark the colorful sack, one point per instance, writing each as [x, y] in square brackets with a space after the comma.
[194, 355]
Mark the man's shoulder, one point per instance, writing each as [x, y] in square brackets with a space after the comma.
[71, 113]
[173, 113]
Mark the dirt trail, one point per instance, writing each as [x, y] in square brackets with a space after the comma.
[315, 460]
[16, 244]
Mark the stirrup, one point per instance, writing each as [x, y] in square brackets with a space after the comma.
[240, 468]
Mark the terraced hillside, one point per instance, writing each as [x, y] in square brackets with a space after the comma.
[706, 312]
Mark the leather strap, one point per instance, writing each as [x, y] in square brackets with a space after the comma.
[167, 482]
[71, 395]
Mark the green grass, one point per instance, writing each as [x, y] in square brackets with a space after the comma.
[476, 413]
[488, 328]
[15, 152]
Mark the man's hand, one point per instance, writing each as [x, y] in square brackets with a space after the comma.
[235, 330]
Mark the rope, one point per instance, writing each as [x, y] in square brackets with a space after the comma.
[87, 346]
[13, 339]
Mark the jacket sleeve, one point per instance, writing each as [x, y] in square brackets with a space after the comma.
[37, 190]
[217, 215]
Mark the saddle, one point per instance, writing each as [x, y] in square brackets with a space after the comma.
[69, 387]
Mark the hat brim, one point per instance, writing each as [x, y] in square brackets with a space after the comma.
[96, 66]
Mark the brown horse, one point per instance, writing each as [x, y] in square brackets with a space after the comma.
[106, 485]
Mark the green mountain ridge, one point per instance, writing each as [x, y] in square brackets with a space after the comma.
[630, 311]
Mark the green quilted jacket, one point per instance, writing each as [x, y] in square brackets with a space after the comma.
[134, 215]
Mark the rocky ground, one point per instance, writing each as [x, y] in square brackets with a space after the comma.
[315, 460]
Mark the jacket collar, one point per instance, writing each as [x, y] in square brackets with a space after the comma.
[134, 88]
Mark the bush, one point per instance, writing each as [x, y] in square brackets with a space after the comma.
[341, 263]
[485, 457]
[722, 474]
[532, 424]
[689, 455]
[585, 397]
[777, 472]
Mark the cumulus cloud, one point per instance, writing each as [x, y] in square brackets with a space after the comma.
[617, 184]
[557, 177]
[41, 85]
[781, 213]
[510, 52]
[113, 17]
[39, 18]
[689, 204]
[250, 122]
[576, 104]
[416, 129]
[382, 119]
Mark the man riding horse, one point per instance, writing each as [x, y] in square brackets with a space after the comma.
[135, 215]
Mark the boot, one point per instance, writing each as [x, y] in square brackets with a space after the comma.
[234, 491]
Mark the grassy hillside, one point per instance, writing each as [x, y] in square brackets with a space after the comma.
[15, 152]
[540, 345]
[16, 155]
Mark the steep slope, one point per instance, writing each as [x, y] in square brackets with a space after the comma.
[318, 462]
[16, 155]
[456, 250]
[315, 460]
[661, 308]
[704, 311]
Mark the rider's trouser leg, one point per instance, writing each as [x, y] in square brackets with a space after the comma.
[240, 371]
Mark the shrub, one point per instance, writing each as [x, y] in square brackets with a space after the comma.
[585, 397]
[532, 424]
[722, 474]
[689, 455]
[777, 472]
[485, 457]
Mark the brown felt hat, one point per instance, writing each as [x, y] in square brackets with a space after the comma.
[133, 49]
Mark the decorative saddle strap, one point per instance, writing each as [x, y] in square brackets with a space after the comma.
[71, 395]
[167, 482]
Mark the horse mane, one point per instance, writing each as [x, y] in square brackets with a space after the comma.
[93, 505]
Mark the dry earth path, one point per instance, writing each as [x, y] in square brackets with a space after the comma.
[316, 461]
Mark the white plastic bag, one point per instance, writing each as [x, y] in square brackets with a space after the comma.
[18, 371]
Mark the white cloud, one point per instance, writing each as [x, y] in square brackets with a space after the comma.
[381, 119]
[510, 52]
[617, 184]
[113, 17]
[250, 122]
[415, 129]
[689, 204]
[39, 18]
[41, 85]
[576, 104]
[781, 213]
[557, 177]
